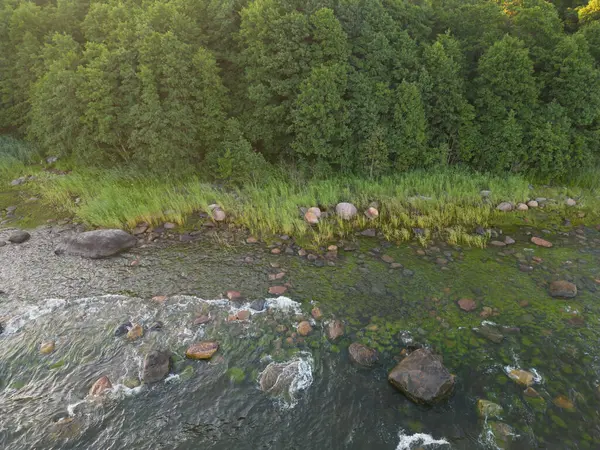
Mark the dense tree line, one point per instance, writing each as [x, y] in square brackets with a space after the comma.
[329, 85]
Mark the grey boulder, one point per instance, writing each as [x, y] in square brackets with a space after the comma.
[18, 237]
[156, 366]
[422, 377]
[96, 244]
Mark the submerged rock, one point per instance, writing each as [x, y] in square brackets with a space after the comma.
[123, 329]
[304, 328]
[277, 290]
[563, 402]
[486, 408]
[335, 329]
[490, 332]
[522, 377]
[541, 242]
[47, 347]
[135, 332]
[345, 211]
[422, 377]
[19, 236]
[467, 304]
[258, 305]
[362, 355]
[101, 386]
[563, 288]
[96, 244]
[503, 434]
[201, 320]
[156, 366]
[316, 313]
[202, 350]
[285, 380]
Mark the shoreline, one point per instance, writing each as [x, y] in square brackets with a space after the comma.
[417, 206]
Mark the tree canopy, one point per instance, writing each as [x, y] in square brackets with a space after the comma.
[368, 86]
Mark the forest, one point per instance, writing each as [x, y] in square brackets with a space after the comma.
[230, 88]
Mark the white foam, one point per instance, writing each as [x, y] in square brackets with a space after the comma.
[15, 324]
[284, 304]
[299, 374]
[423, 440]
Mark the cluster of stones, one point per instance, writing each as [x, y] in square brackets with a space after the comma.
[343, 210]
[525, 206]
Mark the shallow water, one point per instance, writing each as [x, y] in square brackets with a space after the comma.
[334, 405]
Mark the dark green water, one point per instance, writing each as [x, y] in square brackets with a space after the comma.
[218, 404]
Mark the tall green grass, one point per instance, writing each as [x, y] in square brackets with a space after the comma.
[421, 204]
[15, 157]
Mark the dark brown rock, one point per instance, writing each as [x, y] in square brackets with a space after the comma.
[156, 366]
[362, 355]
[100, 387]
[335, 329]
[422, 377]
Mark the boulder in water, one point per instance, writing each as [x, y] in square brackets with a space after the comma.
[156, 366]
[362, 355]
[123, 329]
[96, 244]
[258, 305]
[135, 332]
[19, 236]
[335, 329]
[304, 328]
[562, 288]
[202, 350]
[285, 380]
[486, 408]
[522, 377]
[422, 377]
[47, 347]
[101, 386]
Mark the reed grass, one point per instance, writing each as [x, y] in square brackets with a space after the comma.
[444, 203]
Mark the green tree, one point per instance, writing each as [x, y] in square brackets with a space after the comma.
[448, 112]
[408, 131]
[507, 97]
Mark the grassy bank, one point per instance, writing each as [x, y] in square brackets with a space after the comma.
[419, 204]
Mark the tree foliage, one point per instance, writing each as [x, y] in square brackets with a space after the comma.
[370, 86]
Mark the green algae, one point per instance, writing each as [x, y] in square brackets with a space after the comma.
[236, 374]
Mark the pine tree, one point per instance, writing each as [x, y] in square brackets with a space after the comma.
[507, 96]
[446, 107]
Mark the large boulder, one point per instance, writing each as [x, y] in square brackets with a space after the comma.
[96, 244]
[345, 210]
[285, 380]
[19, 236]
[563, 288]
[156, 366]
[422, 377]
